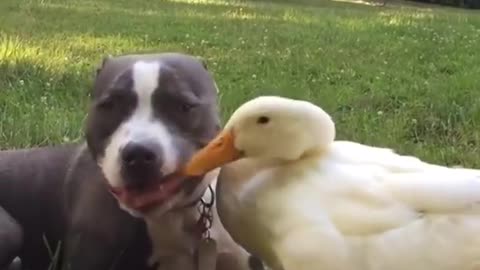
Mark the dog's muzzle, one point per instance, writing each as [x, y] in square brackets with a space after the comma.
[154, 194]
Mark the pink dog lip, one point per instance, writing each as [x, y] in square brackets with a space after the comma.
[154, 195]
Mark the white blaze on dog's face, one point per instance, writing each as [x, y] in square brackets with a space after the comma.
[141, 128]
[145, 122]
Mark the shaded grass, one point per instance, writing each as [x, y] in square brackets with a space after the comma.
[401, 76]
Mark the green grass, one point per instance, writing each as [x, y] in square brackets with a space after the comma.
[397, 76]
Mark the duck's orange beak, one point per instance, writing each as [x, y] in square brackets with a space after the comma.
[220, 151]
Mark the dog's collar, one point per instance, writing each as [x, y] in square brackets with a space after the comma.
[204, 208]
[200, 198]
[193, 202]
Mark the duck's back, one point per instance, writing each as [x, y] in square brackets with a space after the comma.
[403, 213]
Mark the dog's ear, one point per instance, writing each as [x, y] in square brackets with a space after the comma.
[203, 61]
[104, 61]
[97, 71]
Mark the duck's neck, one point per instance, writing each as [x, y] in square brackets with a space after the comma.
[315, 152]
[244, 169]
[262, 162]
[240, 172]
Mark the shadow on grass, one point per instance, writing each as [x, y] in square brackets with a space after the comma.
[322, 3]
[367, 4]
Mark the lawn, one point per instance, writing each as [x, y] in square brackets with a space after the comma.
[396, 76]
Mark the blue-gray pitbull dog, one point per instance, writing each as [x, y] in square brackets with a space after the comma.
[148, 115]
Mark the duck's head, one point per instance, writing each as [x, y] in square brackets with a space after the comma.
[267, 127]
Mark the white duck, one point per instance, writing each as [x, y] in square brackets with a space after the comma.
[293, 196]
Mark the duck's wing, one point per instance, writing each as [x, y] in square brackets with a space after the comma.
[360, 154]
[437, 191]
[419, 185]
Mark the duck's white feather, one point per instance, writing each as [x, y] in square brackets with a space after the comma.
[420, 185]
[354, 207]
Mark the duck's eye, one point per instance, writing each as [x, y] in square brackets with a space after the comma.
[263, 120]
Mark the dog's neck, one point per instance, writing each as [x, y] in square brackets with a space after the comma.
[175, 243]
[180, 231]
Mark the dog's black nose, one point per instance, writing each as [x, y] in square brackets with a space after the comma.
[140, 163]
[135, 154]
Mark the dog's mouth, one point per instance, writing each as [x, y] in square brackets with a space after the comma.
[155, 194]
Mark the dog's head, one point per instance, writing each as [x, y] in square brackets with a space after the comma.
[149, 114]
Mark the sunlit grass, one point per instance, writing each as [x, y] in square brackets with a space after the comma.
[397, 76]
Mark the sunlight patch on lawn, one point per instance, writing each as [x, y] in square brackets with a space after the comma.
[424, 14]
[14, 49]
[354, 24]
[243, 14]
[296, 16]
[405, 19]
[360, 2]
[398, 20]
[59, 51]
[289, 16]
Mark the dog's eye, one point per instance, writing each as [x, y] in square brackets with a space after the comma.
[106, 103]
[109, 102]
[186, 107]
